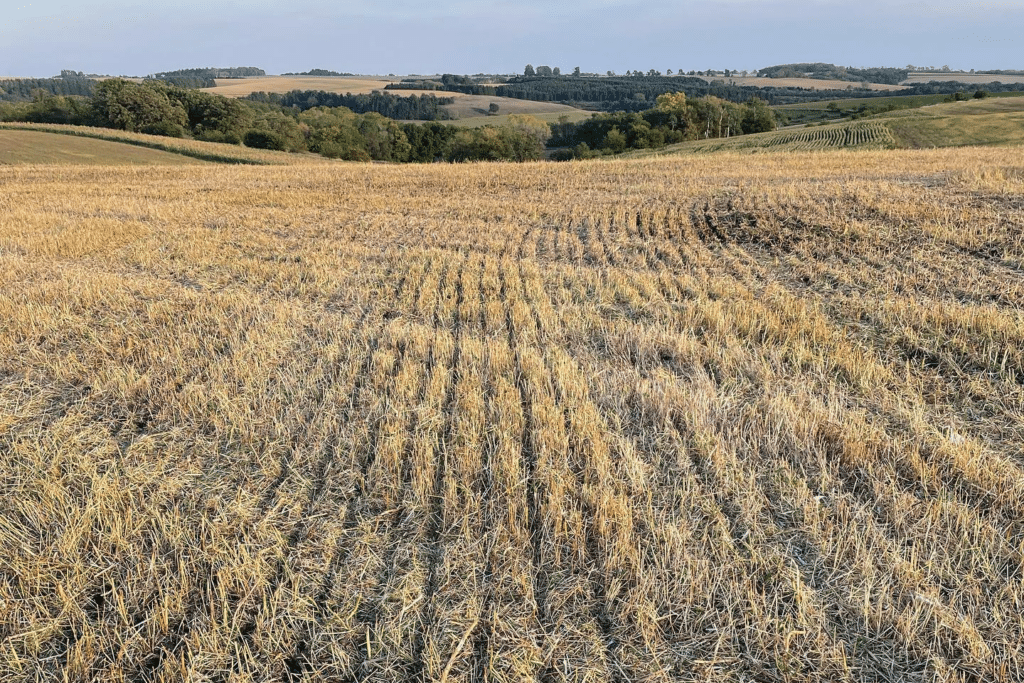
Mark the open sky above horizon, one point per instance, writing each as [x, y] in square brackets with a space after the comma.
[41, 37]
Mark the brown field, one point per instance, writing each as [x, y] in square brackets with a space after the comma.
[729, 418]
[240, 87]
[36, 147]
[812, 83]
[962, 78]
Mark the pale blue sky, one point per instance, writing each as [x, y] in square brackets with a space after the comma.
[457, 36]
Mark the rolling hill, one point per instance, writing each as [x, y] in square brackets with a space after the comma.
[19, 147]
[989, 122]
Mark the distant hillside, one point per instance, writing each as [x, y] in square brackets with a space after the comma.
[988, 122]
[19, 147]
[831, 72]
[318, 72]
[213, 72]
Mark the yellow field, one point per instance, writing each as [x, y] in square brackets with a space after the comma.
[688, 419]
[35, 147]
[240, 87]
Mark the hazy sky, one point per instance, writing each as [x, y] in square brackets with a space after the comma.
[457, 36]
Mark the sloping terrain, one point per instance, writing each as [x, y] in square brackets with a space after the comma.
[70, 137]
[990, 122]
[38, 147]
[689, 419]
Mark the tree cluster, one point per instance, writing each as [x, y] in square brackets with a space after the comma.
[25, 89]
[158, 108]
[675, 118]
[412, 108]
[637, 93]
[213, 72]
[831, 72]
[318, 72]
[188, 82]
[633, 93]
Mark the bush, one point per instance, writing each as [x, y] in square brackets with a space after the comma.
[229, 138]
[168, 129]
[264, 139]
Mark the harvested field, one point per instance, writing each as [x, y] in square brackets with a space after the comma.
[38, 147]
[61, 145]
[845, 135]
[240, 87]
[718, 418]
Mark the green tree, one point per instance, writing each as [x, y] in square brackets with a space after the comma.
[118, 103]
[528, 71]
[758, 117]
[615, 141]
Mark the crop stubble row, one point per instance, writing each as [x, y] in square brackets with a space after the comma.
[658, 420]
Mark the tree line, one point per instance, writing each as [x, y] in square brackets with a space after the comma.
[213, 72]
[831, 72]
[411, 108]
[638, 93]
[675, 118]
[24, 89]
[317, 72]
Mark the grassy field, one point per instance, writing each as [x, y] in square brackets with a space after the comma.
[62, 142]
[574, 115]
[985, 122]
[37, 147]
[712, 418]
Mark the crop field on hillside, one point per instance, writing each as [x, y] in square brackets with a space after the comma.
[863, 135]
[719, 418]
[39, 147]
[58, 144]
[240, 87]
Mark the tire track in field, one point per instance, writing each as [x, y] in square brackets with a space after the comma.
[539, 302]
[436, 525]
[370, 328]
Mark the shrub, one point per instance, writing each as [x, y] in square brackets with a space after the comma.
[167, 129]
[264, 139]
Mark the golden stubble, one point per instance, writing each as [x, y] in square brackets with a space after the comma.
[715, 418]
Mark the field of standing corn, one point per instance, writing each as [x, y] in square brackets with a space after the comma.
[724, 418]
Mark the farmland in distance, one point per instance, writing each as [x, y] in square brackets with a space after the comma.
[708, 418]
